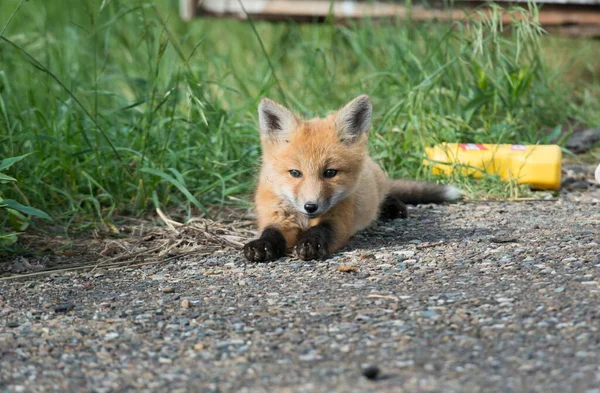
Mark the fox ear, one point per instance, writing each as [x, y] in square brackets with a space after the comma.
[354, 119]
[275, 120]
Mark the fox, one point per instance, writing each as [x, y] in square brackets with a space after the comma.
[318, 185]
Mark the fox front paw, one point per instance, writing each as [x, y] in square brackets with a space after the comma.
[271, 245]
[311, 247]
[262, 250]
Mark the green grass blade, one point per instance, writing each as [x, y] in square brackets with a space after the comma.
[180, 187]
[12, 204]
[8, 162]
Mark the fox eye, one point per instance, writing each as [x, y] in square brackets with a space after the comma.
[329, 173]
[295, 173]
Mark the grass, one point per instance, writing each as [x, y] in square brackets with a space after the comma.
[125, 107]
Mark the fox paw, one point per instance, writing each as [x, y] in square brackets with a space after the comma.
[311, 247]
[262, 250]
[391, 208]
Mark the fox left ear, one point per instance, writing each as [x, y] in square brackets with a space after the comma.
[354, 119]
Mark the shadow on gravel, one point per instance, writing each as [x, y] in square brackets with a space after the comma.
[421, 227]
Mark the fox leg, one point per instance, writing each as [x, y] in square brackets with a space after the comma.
[316, 242]
[392, 207]
[270, 245]
[279, 231]
[331, 232]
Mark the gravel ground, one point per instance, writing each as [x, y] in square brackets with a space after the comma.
[494, 297]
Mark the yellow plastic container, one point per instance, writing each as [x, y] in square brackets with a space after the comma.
[536, 165]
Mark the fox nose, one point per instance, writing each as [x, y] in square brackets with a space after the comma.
[311, 207]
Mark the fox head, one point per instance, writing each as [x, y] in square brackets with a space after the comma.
[314, 164]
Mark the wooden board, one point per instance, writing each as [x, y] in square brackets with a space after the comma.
[586, 16]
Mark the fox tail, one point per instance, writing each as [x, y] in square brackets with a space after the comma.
[415, 192]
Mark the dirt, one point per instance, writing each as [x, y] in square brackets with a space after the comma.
[469, 297]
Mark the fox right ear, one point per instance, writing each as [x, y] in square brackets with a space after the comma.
[354, 119]
[275, 120]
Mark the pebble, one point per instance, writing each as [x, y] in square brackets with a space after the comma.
[404, 253]
[168, 290]
[12, 324]
[63, 308]
[429, 313]
[371, 372]
[579, 185]
[569, 259]
[111, 336]
[185, 303]
[311, 356]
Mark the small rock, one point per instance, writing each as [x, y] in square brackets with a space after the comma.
[371, 372]
[503, 239]
[567, 181]
[185, 303]
[576, 169]
[12, 324]
[309, 357]
[111, 336]
[17, 267]
[347, 269]
[405, 253]
[429, 313]
[580, 142]
[168, 290]
[579, 185]
[559, 289]
[63, 308]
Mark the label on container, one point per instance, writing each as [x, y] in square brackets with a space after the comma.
[518, 147]
[472, 146]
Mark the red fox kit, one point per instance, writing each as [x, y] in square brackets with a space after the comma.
[318, 186]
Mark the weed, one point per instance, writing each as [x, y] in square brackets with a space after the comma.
[128, 108]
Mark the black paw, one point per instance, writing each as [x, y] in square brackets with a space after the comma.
[311, 247]
[271, 245]
[262, 250]
[391, 208]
